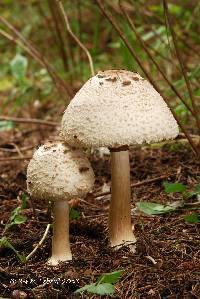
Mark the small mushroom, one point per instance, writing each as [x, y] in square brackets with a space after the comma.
[54, 174]
[116, 115]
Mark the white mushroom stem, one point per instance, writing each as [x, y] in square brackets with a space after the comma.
[60, 242]
[120, 228]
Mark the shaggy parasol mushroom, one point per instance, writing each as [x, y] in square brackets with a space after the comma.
[59, 173]
[116, 109]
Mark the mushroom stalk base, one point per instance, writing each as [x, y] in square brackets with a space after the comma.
[60, 242]
[120, 228]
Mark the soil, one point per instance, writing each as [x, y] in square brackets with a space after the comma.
[167, 259]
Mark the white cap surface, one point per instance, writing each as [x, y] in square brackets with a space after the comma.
[116, 108]
[58, 172]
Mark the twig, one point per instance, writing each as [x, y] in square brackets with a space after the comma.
[148, 75]
[28, 47]
[59, 35]
[178, 54]
[30, 121]
[183, 40]
[150, 258]
[135, 185]
[143, 45]
[15, 158]
[12, 150]
[17, 150]
[81, 45]
[40, 243]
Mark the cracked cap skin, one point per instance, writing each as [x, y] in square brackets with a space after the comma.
[58, 172]
[116, 108]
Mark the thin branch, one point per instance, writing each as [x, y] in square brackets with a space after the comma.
[40, 243]
[178, 54]
[28, 47]
[15, 158]
[148, 75]
[183, 40]
[30, 121]
[22, 149]
[59, 35]
[135, 185]
[143, 45]
[81, 45]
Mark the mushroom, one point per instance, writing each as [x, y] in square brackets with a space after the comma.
[116, 109]
[55, 173]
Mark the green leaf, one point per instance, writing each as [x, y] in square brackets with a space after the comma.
[110, 277]
[85, 288]
[182, 110]
[174, 187]
[151, 208]
[195, 192]
[192, 218]
[24, 200]
[104, 284]
[5, 84]
[74, 214]
[16, 218]
[14, 213]
[99, 289]
[175, 9]
[19, 67]
[197, 189]
[19, 219]
[5, 243]
[6, 125]
[103, 289]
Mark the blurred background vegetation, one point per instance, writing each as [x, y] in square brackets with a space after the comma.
[27, 85]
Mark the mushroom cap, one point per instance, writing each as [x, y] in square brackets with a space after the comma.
[116, 108]
[58, 172]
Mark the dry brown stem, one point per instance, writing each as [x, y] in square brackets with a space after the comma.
[29, 121]
[133, 185]
[180, 59]
[81, 45]
[59, 36]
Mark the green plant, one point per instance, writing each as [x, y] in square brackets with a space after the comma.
[6, 125]
[192, 218]
[103, 285]
[174, 187]
[18, 67]
[74, 214]
[182, 189]
[16, 217]
[151, 208]
[4, 242]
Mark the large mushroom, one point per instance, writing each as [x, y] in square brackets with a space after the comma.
[59, 173]
[116, 109]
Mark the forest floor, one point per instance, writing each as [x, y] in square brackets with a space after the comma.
[167, 259]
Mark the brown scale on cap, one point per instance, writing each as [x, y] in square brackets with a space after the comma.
[124, 83]
[49, 145]
[83, 169]
[114, 79]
